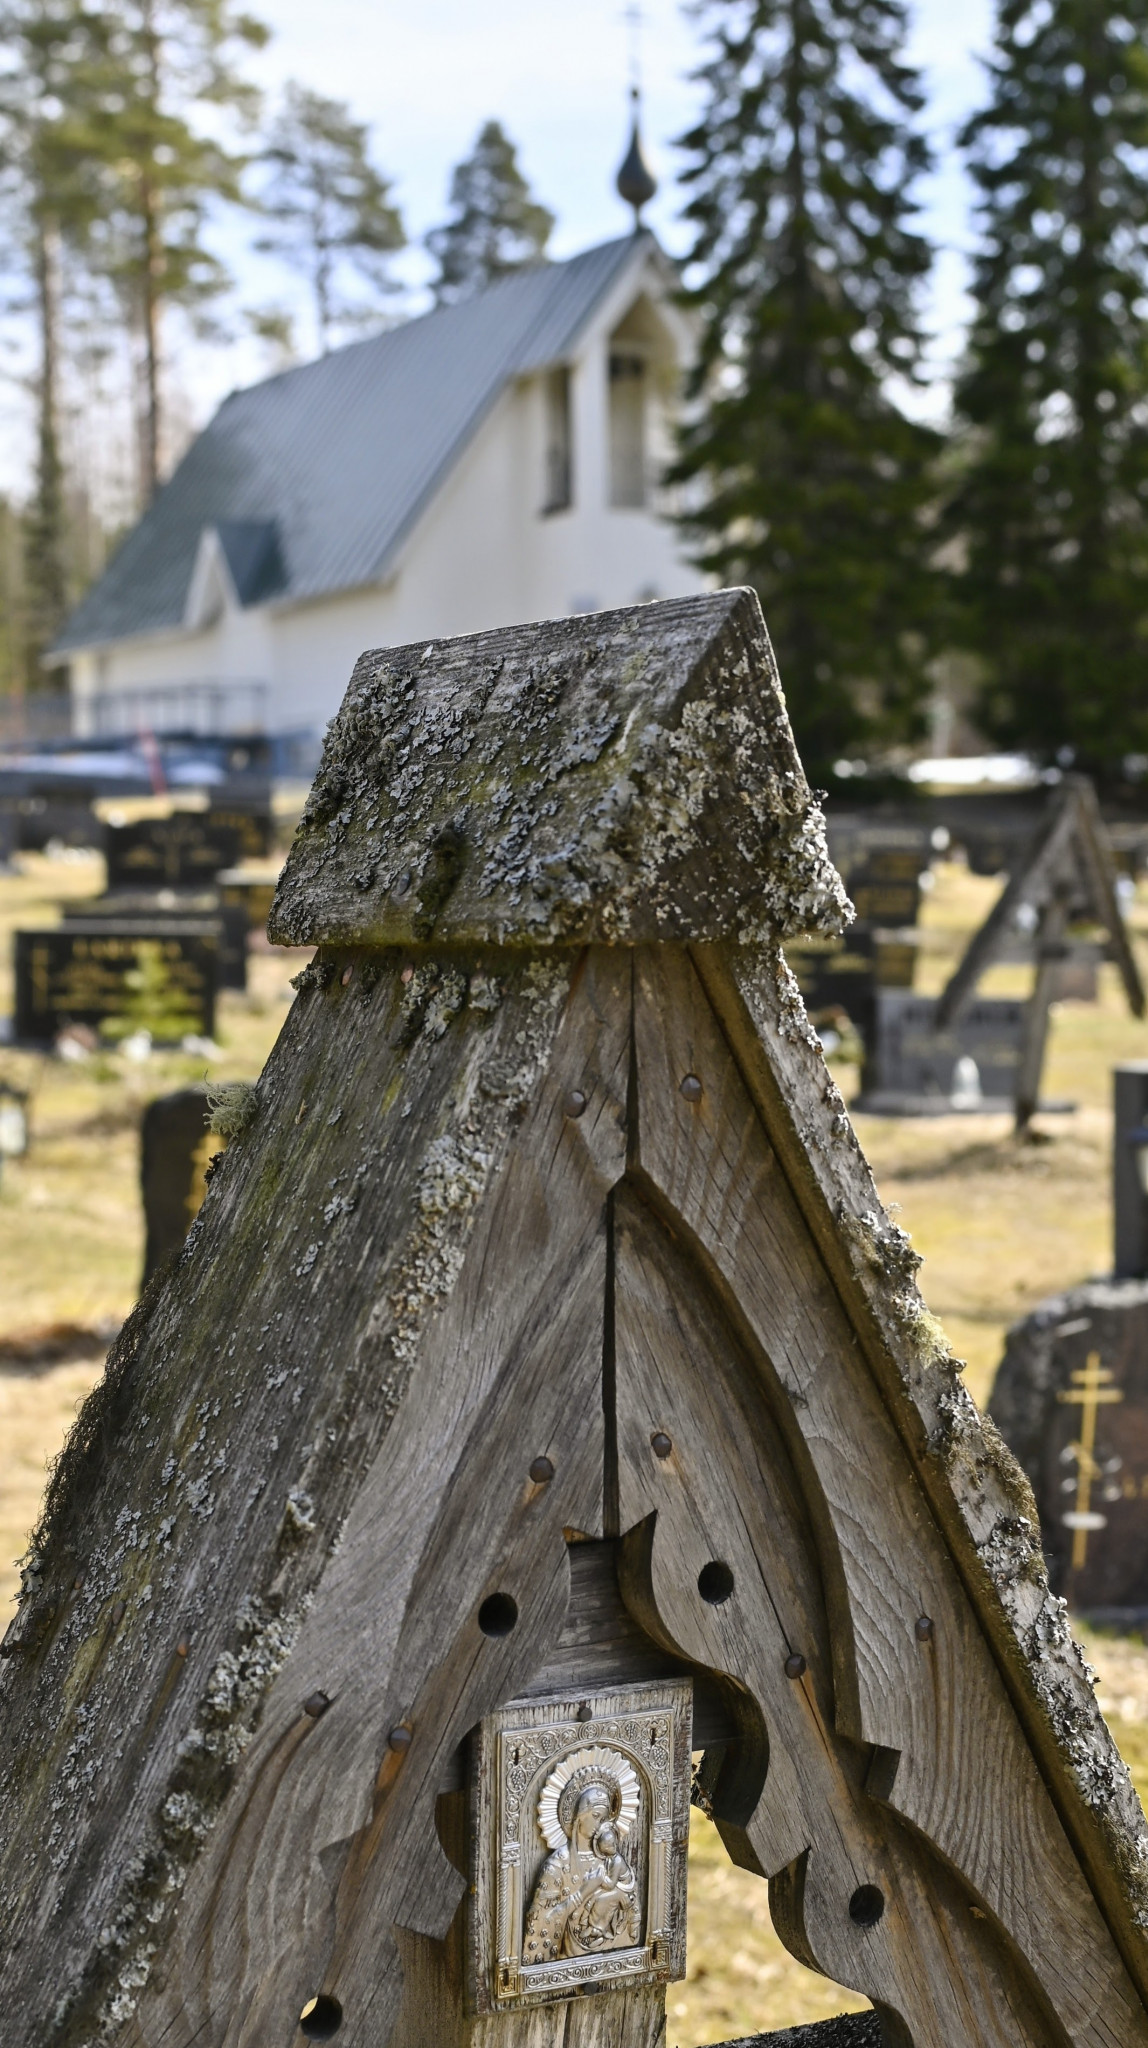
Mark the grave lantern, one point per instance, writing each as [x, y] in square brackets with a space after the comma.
[540, 1424]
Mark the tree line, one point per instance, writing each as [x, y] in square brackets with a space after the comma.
[126, 127]
[1015, 539]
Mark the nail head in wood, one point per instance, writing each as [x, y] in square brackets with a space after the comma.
[692, 1088]
[316, 1705]
[541, 1471]
[573, 1102]
[118, 1612]
[182, 1647]
[408, 974]
[923, 1628]
[346, 975]
[661, 1444]
[795, 1665]
[399, 1738]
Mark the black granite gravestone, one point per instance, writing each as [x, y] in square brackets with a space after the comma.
[1071, 1401]
[129, 907]
[881, 861]
[911, 1066]
[183, 851]
[90, 972]
[175, 1148]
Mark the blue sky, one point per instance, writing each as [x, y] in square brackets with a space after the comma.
[425, 76]
[555, 74]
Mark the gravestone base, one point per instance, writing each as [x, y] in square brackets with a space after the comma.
[1071, 1402]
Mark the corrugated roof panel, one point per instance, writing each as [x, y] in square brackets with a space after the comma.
[344, 453]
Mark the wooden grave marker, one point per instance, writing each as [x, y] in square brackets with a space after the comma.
[1064, 872]
[176, 1149]
[542, 1394]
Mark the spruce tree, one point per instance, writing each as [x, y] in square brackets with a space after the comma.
[801, 474]
[497, 225]
[1051, 510]
[330, 206]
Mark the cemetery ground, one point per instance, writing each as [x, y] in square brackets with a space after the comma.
[1000, 1224]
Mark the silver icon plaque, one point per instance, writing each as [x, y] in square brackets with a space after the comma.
[581, 1821]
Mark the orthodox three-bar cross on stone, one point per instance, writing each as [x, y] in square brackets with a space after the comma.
[542, 1421]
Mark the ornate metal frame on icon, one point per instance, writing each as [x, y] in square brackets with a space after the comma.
[580, 1806]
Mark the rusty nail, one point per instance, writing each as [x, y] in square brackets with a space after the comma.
[408, 974]
[573, 1102]
[692, 1088]
[399, 1738]
[346, 975]
[182, 1647]
[316, 1704]
[661, 1444]
[118, 1612]
[585, 1711]
[77, 1582]
[923, 1628]
[795, 1665]
[541, 1470]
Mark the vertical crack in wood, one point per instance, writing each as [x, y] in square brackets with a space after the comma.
[611, 1520]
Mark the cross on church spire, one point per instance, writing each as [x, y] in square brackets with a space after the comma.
[635, 182]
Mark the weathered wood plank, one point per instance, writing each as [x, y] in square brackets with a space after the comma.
[354, 1266]
[975, 1490]
[945, 1974]
[965, 1777]
[627, 775]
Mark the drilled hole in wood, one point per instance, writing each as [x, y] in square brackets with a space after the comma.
[867, 1905]
[498, 1614]
[715, 1582]
[321, 2018]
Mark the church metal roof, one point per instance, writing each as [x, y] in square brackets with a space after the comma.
[336, 460]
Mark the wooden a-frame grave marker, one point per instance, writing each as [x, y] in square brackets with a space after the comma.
[542, 1394]
[1067, 863]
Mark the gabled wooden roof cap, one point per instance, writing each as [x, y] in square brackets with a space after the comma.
[616, 777]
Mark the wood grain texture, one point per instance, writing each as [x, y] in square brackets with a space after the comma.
[965, 1776]
[262, 1393]
[620, 775]
[929, 1962]
[980, 1500]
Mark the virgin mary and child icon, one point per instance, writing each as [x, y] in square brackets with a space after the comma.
[586, 1897]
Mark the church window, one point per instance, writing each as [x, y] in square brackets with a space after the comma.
[627, 428]
[559, 468]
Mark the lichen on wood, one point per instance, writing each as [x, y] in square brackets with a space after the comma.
[622, 777]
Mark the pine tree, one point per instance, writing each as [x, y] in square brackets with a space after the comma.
[51, 198]
[1052, 507]
[801, 475]
[165, 170]
[496, 227]
[329, 203]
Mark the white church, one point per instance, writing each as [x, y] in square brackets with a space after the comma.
[493, 462]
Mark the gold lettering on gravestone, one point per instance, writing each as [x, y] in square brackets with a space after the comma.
[581, 1830]
[1091, 1390]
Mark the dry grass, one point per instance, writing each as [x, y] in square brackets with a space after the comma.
[1000, 1225]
